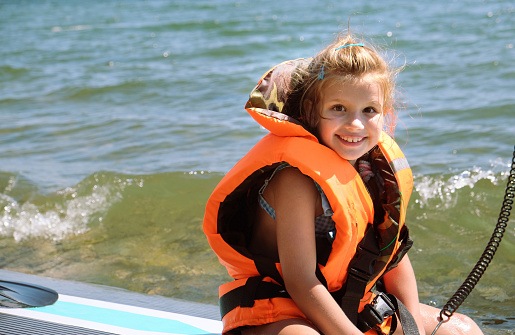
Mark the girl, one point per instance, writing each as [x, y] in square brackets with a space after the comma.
[310, 223]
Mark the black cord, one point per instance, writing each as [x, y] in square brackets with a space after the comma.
[477, 272]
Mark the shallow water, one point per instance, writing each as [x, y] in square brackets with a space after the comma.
[118, 119]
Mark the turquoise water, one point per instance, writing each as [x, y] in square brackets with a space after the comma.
[118, 118]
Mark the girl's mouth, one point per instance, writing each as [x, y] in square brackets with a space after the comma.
[350, 139]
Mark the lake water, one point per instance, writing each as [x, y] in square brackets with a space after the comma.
[117, 120]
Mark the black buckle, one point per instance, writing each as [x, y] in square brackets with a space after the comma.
[376, 312]
[383, 306]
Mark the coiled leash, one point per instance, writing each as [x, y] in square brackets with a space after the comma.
[479, 269]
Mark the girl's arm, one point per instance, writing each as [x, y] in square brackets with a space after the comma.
[294, 197]
[401, 282]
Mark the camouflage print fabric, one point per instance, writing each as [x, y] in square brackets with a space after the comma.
[272, 91]
[387, 216]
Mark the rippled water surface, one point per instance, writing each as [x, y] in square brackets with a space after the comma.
[117, 120]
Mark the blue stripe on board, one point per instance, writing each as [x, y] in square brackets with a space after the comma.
[120, 318]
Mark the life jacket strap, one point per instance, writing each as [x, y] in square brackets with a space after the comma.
[268, 268]
[358, 276]
[409, 326]
[256, 288]
[374, 314]
[245, 296]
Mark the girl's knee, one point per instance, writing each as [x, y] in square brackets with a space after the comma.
[458, 324]
[464, 324]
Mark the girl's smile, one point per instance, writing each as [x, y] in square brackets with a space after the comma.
[351, 116]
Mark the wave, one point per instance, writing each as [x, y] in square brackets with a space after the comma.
[105, 92]
[27, 214]
[442, 190]
[12, 73]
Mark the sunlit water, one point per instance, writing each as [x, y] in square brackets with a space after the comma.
[117, 120]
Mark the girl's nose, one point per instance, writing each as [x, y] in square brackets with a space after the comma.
[353, 121]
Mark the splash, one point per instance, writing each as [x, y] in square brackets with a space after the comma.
[441, 190]
[62, 214]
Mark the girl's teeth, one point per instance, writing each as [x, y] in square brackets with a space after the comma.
[352, 139]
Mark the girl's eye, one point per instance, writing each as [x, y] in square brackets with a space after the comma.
[370, 110]
[338, 108]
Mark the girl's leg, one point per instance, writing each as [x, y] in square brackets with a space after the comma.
[458, 324]
[284, 327]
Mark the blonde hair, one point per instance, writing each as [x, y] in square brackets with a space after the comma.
[345, 60]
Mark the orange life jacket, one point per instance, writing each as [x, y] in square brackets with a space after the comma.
[227, 225]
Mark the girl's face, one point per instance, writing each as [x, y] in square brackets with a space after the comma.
[351, 116]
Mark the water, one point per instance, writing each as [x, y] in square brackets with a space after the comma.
[117, 120]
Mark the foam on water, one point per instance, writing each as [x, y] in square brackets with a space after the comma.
[62, 214]
[440, 190]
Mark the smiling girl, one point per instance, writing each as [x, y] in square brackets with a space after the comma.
[310, 223]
